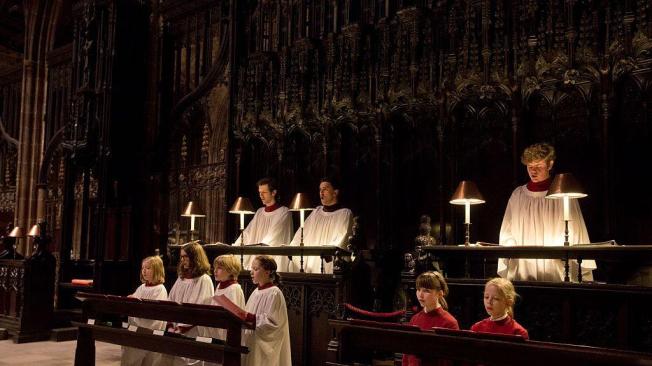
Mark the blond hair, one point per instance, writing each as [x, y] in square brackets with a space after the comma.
[536, 152]
[507, 290]
[198, 261]
[158, 271]
[229, 263]
[434, 280]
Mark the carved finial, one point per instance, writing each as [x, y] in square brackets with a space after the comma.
[424, 238]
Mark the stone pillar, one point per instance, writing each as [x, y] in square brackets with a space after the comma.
[40, 20]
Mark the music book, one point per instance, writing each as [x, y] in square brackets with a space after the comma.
[232, 308]
[485, 244]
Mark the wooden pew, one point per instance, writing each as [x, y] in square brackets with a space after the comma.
[355, 339]
[104, 314]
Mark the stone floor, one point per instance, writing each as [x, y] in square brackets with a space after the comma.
[50, 353]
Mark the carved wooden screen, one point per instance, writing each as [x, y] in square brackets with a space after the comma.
[10, 86]
[476, 81]
[196, 49]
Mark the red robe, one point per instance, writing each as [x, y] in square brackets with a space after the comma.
[439, 318]
[505, 326]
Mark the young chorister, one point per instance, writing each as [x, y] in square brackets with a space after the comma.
[269, 343]
[194, 286]
[431, 292]
[499, 297]
[226, 269]
[152, 276]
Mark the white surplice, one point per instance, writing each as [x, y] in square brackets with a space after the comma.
[196, 290]
[322, 228]
[532, 219]
[271, 228]
[269, 343]
[233, 293]
[138, 357]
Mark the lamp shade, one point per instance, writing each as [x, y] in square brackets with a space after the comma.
[193, 210]
[17, 232]
[565, 185]
[466, 192]
[35, 231]
[242, 205]
[300, 202]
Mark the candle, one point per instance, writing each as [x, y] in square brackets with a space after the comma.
[192, 223]
[566, 208]
[302, 214]
[467, 212]
[241, 221]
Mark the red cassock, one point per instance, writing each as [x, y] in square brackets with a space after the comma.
[439, 318]
[504, 326]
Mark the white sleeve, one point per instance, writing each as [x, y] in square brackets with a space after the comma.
[341, 236]
[271, 318]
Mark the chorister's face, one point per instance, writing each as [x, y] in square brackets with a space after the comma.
[494, 302]
[147, 271]
[185, 261]
[267, 196]
[327, 194]
[221, 274]
[539, 170]
[259, 275]
[428, 298]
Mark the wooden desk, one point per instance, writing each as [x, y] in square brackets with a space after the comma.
[100, 308]
[631, 254]
[353, 341]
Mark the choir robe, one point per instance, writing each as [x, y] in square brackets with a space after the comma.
[233, 292]
[273, 228]
[532, 219]
[195, 291]
[137, 357]
[503, 326]
[439, 318]
[322, 228]
[269, 343]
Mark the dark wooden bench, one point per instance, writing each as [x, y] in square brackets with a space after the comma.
[355, 339]
[103, 315]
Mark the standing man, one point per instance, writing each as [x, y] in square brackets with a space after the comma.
[531, 219]
[272, 223]
[328, 225]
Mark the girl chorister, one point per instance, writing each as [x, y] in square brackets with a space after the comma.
[269, 344]
[192, 286]
[431, 290]
[499, 297]
[152, 276]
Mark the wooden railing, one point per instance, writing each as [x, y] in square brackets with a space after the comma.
[103, 315]
[356, 343]
[630, 254]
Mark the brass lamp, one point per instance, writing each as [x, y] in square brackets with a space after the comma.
[193, 210]
[467, 194]
[301, 203]
[17, 232]
[35, 231]
[242, 207]
[564, 186]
